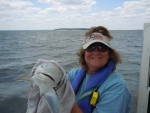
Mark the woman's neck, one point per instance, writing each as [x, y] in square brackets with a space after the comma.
[90, 72]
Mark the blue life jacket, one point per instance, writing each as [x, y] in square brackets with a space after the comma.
[93, 84]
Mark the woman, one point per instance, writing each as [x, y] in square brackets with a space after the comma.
[98, 87]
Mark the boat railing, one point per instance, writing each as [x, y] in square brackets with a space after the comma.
[144, 82]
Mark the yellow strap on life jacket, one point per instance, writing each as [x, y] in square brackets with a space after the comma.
[94, 98]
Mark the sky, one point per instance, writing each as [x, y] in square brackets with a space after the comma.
[54, 14]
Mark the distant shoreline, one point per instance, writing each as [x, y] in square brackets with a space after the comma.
[72, 29]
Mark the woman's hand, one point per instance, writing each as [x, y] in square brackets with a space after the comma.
[76, 109]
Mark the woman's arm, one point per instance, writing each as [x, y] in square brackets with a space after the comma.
[76, 109]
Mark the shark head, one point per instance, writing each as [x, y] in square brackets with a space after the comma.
[47, 74]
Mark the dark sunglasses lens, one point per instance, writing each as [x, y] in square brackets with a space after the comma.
[100, 47]
[90, 48]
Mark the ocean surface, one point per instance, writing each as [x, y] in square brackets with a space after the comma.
[19, 50]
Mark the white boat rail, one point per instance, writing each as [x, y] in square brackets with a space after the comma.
[144, 83]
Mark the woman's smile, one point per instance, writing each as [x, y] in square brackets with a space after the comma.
[95, 58]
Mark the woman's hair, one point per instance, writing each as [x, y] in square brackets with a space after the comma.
[113, 54]
[98, 29]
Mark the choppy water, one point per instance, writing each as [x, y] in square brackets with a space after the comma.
[19, 50]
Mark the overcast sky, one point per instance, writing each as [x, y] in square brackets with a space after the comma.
[52, 14]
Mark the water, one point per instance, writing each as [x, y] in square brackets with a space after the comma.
[19, 50]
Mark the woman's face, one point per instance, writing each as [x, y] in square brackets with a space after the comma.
[96, 59]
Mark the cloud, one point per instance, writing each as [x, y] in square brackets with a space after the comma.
[21, 14]
[68, 2]
[68, 6]
[133, 13]
[16, 9]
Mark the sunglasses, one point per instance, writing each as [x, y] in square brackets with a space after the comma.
[100, 47]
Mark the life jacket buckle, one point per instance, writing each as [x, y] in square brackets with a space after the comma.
[94, 98]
